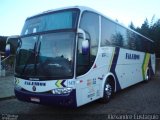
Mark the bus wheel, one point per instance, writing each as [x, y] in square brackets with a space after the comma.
[148, 77]
[107, 93]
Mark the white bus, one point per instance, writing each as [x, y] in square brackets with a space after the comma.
[72, 56]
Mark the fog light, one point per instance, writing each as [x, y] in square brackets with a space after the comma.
[18, 87]
[62, 91]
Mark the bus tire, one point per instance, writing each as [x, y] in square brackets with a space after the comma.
[148, 76]
[107, 92]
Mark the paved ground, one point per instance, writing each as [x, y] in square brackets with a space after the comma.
[143, 98]
[6, 87]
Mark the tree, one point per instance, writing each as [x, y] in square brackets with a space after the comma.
[132, 26]
[145, 30]
[153, 20]
[152, 31]
[2, 43]
[155, 35]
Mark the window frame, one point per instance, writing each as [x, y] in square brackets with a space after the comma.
[91, 62]
[148, 48]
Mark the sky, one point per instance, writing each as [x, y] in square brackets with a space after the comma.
[13, 13]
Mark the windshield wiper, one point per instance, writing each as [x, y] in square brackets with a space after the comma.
[36, 56]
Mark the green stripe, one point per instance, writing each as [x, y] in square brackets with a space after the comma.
[145, 64]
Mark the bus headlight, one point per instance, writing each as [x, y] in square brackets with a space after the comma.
[17, 87]
[62, 91]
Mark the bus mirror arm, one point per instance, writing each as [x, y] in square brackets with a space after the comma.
[9, 41]
[85, 42]
[80, 31]
[19, 42]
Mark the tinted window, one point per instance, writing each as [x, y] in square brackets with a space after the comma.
[116, 35]
[90, 24]
[138, 42]
[108, 32]
[47, 56]
[131, 37]
[121, 37]
[53, 21]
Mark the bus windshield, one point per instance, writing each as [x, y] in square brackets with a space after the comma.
[47, 44]
[46, 56]
[51, 21]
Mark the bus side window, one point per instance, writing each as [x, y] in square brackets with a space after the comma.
[90, 24]
[121, 37]
[108, 32]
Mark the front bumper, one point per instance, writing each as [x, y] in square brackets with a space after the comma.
[47, 99]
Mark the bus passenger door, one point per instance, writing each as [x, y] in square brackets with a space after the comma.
[88, 39]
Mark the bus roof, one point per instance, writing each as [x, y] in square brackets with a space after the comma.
[84, 8]
[81, 8]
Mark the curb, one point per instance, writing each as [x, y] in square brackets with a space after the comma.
[7, 98]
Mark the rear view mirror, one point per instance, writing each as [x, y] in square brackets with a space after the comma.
[8, 49]
[85, 43]
[12, 43]
[85, 47]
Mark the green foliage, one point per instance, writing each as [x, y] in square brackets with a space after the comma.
[132, 26]
[2, 43]
[150, 30]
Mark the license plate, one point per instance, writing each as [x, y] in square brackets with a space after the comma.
[35, 99]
